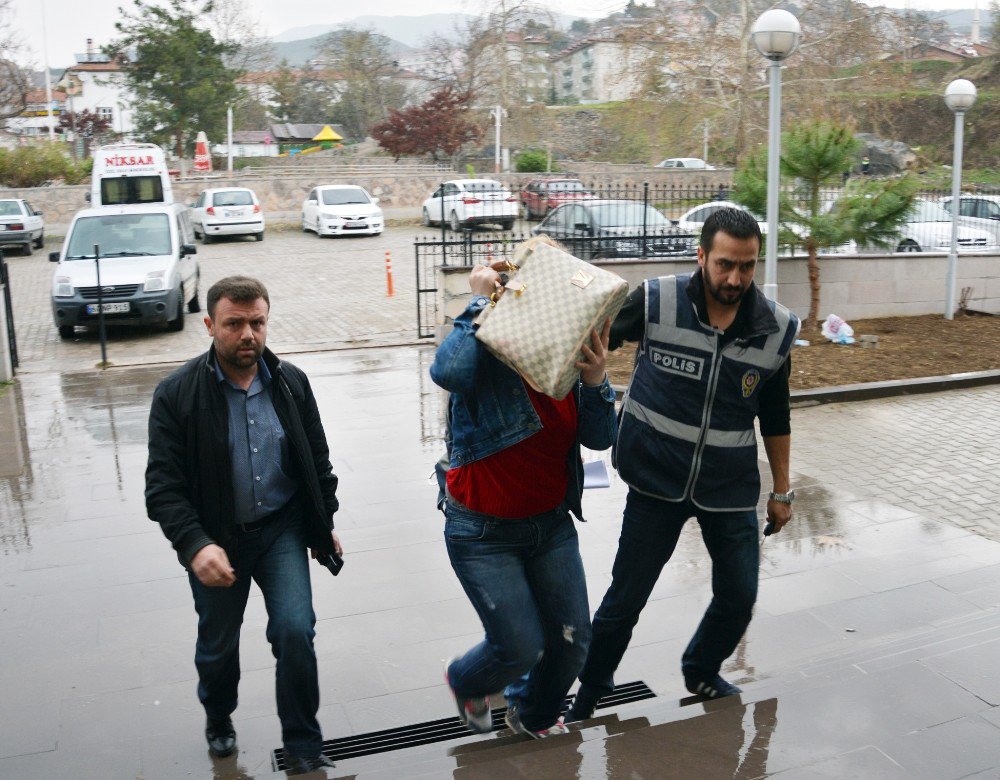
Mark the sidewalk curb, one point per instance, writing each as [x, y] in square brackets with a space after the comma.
[867, 391]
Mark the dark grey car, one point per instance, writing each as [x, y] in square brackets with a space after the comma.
[614, 228]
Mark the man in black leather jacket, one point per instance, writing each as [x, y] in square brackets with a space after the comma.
[239, 479]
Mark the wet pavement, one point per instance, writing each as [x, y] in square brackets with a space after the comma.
[872, 653]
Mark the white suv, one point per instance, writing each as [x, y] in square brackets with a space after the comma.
[467, 202]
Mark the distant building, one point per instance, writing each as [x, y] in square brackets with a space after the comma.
[603, 67]
[97, 83]
[33, 122]
[249, 143]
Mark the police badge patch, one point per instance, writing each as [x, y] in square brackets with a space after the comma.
[750, 381]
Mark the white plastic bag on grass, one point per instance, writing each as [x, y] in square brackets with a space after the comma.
[838, 331]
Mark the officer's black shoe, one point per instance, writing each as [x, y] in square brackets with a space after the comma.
[583, 706]
[297, 765]
[712, 688]
[221, 737]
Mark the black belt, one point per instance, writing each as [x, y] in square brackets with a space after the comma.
[256, 525]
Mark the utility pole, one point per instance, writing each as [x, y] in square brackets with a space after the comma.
[48, 77]
[497, 112]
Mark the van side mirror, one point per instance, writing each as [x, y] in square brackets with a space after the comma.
[375, 200]
[188, 249]
[38, 213]
[87, 197]
[583, 227]
[53, 257]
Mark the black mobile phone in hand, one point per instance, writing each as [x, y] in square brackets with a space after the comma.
[332, 561]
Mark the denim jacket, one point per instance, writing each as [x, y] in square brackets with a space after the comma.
[489, 409]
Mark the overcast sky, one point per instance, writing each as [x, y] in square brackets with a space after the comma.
[70, 22]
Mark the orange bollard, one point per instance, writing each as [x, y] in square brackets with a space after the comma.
[388, 275]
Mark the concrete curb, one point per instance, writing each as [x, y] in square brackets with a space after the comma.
[866, 391]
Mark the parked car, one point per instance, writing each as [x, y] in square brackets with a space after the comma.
[928, 229]
[979, 206]
[341, 209]
[692, 163]
[692, 220]
[149, 271]
[463, 203]
[227, 211]
[21, 225]
[540, 196]
[613, 228]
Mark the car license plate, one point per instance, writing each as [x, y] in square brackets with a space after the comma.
[358, 223]
[110, 308]
[234, 213]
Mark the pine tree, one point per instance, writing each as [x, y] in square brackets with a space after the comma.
[814, 157]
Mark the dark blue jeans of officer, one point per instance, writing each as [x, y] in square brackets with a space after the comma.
[275, 557]
[525, 579]
[650, 529]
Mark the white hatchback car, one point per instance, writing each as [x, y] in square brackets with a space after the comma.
[687, 163]
[341, 209]
[466, 202]
[928, 229]
[227, 211]
[21, 225]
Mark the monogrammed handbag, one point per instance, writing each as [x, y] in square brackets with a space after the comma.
[549, 308]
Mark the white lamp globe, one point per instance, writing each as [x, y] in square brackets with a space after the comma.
[776, 34]
[960, 95]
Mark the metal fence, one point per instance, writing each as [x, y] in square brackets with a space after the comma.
[8, 307]
[481, 220]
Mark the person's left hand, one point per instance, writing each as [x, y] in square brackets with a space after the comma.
[778, 513]
[593, 367]
[338, 548]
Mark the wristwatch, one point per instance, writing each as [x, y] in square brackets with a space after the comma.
[479, 300]
[782, 498]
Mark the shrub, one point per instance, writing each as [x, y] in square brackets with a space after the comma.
[32, 166]
[531, 161]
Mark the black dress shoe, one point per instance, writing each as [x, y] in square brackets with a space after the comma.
[221, 737]
[297, 765]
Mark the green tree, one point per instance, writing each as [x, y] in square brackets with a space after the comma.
[814, 158]
[176, 70]
[14, 81]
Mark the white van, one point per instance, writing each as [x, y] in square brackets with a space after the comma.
[149, 271]
[129, 173]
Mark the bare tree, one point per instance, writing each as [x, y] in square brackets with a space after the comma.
[14, 81]
[233, 23]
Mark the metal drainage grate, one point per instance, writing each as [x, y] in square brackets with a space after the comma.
[442, 730]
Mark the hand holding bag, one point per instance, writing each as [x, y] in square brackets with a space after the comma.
[549, 309]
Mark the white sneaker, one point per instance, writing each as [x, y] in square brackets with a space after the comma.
[513, 721]
[473, 712]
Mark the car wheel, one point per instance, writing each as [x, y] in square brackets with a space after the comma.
[318, 228]
[193, 305]
[507, 224]
[40, 243]
[455, 222]
[909, 246]
[259, 236]
[305, 227]
[525, 212]
[206, 239]
[177, 323]
[197, 235]
[66, 331]
[26, 249]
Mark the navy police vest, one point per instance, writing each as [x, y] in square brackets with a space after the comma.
[687, 420]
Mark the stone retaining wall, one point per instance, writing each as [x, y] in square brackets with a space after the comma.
[281, 196]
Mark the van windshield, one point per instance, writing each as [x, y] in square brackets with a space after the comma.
[120, 235]
[131, 189]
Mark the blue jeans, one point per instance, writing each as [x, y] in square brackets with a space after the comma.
[525, 580]
[650, 530]
[275, 557]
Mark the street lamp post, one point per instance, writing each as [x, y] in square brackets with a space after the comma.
[959, 97]
[775, 35]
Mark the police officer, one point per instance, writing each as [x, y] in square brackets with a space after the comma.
[712, 356]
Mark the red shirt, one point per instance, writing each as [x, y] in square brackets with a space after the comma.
[527, 478]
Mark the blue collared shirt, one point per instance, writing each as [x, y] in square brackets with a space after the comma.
[258, 447]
